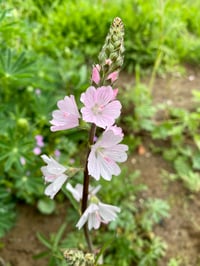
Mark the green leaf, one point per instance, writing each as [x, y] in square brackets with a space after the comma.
[46, 242]
[196, 161]
[182, 166]
[170, 154]
[192, 181]
[46, 206]
[7, 211]
[197, 140]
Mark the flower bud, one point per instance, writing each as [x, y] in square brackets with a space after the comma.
[76, 257]
[113, 48]
[23, 124]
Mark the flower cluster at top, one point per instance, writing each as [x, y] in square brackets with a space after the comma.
[101, 109]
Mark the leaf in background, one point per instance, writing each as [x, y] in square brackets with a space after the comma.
[196, 161]
[7, 211]
[182, 166]
[192, 181]
[197, 140]
[46, 206]
[14, 69]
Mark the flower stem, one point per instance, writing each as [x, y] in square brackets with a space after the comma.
[86, 187]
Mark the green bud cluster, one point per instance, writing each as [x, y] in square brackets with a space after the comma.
[76, 257]
[113, 47]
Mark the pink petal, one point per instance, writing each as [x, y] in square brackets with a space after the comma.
[95, 74]
[104, 95]
[113, 76]
[116, 130]
[117, 153]
[115, 92]
[109, 139]
[93, 165]
[108, 61]
[67, 116]
[89, 97]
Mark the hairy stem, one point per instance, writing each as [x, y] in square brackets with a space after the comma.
[86, 187]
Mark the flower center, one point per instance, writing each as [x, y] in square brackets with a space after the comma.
[97, 109]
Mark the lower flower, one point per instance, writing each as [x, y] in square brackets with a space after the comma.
[96, 214]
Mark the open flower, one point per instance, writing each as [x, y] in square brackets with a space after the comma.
[67, 116]
[96, 214]
[77, 191]
[54, 174]
[104, 155]
[100, 108]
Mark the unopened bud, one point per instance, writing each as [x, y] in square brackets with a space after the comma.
[23, 124]
[113, 47]
[76, 257]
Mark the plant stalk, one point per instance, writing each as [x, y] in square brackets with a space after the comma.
[86, 187]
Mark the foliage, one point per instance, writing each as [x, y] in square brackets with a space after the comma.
[53, 249]
[174, 262]
[69, 31]
[177, 127]
[181, 127]
[7, 213]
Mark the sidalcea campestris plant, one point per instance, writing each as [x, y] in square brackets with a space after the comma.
[100, 109]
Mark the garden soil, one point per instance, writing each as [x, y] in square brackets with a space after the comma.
[181, 231]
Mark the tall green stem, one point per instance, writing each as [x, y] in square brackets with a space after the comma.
[86, 187]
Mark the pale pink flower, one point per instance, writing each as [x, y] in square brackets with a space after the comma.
[37, 151]
[96, 74]
[57, 153]
[67, 116]
[54, 174]
[22, 160]
[77, 191]
[72, 161]
[104, 155]
[96, 214]
[113, 76]
[39, 140]
[100, 107]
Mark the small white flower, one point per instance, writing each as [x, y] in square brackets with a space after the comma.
[77, 191]
[54, 174]
[96, 214]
